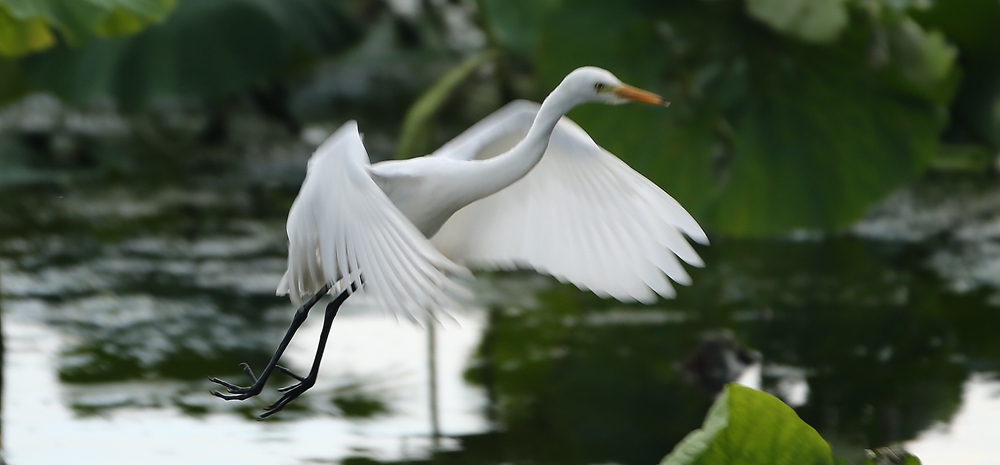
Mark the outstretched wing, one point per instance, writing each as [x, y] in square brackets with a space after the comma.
[342, 225]
[581, 215]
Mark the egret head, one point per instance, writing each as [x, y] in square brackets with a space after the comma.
[592, 84]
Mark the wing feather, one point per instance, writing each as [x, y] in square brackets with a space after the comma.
[342, 228]
[581, 215]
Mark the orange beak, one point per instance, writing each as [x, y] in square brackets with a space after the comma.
[636, 94]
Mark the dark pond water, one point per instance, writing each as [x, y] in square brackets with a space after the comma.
[126, 284]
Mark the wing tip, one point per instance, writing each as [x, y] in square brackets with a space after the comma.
[694, 261]
[698, 235]
[350, 127]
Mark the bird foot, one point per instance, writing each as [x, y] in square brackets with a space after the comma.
[291, 392]
[239, 392]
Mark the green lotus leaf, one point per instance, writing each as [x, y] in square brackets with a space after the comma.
[749, 427]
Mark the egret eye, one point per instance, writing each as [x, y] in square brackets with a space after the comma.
[599, 87]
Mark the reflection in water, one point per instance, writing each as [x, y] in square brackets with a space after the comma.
[970, 436]
[432, 389]
[169, 421]
[118, 304]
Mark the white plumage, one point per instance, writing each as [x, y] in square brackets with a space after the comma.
[342, 224]
[581, 215]
[503, 194]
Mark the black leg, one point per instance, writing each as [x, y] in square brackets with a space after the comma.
[306, 382]
[241, 393]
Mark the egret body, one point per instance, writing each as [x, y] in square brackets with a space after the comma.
[524, 187]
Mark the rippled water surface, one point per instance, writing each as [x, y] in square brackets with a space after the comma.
[122, 294]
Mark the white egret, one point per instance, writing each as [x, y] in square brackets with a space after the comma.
[524, 187]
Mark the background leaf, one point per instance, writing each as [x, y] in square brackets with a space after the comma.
[809, 20]
[78, 20]
[972, 25]
[413, 140]
[515, 23]
[22, 36]
[816, 144]
[772, 134]
[207, 48]
[12, 82]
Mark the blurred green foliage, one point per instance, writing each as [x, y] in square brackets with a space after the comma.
[32, 25]
[29, 26]
[972, 25]
[809, 20]
[18, 37]
[413, 138]
[786, 115]
[206, 48]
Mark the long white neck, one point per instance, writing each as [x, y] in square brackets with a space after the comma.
[493, 174]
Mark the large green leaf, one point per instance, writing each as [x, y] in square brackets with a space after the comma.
[206, 48]
[815, 146]
[746, 426]
[767, 133]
